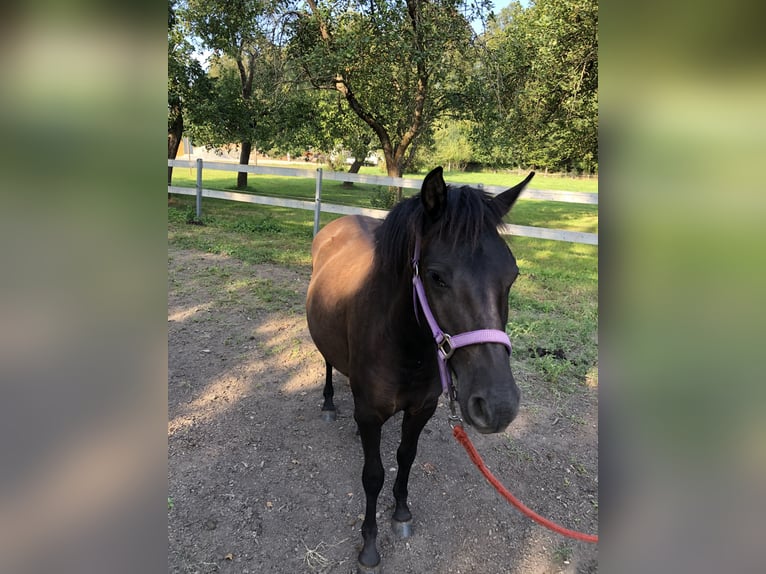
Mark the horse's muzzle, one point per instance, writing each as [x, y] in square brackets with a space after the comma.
[491, 410]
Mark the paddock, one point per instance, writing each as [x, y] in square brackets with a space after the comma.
[259, 483]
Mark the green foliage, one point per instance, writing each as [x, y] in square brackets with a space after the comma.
[191, 217]
[176, 216]
[188, 216]
[251, 98]
[383, 197]
[337, 161]
[400, 66]
[187, 83]
[452, 147]
[538, 87]
[407, 78]
[265, 225]
[337, 130]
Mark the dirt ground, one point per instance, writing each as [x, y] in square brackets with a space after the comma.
[258, 483]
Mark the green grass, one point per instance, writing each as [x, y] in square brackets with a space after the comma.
[272, 297]
[562, 553]
[553, 304]
[280, 186]
[252, 233]
[511, 178]
[551, 214]
[295, 187]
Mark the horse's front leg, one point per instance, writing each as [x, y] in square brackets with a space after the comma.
[412, 425]
[329, 412]
[372, 480]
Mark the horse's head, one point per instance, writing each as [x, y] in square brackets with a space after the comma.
[467, 271]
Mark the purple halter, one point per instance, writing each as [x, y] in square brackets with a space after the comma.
[445, 343]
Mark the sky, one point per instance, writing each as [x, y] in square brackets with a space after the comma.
[500, 4]
[497, 5]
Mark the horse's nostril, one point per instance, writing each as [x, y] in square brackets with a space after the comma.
[478, 409]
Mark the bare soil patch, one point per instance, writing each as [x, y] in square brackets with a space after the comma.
[259, 483]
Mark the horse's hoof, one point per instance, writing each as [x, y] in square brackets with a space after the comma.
[329, 416]
[362, 569]
[402, 529]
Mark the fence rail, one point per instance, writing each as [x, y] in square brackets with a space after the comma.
[317, 205]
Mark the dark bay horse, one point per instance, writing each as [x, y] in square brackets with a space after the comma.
[366, 324]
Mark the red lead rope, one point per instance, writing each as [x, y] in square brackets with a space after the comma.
[463, 439]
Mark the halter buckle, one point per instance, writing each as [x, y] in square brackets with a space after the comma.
[446, 342]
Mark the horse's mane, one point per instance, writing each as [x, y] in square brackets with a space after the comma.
[468, 213]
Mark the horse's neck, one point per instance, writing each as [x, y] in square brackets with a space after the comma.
[404, 316]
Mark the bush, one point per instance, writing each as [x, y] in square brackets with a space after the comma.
[188, 216]
[191, 217]
[337, 162]
[383, 197]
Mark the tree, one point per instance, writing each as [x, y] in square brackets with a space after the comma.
[244, 37]
[185, 78]
[451, 144]
[398, 65]
[340, 131]
[539, 86]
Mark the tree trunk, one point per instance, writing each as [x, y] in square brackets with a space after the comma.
[175, 132]
[393, 169]
[353, 169]
[244, 159]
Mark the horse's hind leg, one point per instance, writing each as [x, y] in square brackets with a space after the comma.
[412, 425]
[328, 408]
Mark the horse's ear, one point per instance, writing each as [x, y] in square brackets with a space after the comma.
[433, 193]
[506, 199]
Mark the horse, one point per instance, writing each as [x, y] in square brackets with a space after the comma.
[381, 303]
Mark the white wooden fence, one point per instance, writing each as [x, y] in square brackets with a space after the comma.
[316, 206]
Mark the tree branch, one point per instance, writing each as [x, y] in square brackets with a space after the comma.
[344, 88]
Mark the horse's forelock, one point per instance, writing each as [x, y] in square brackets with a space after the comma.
[468, 214]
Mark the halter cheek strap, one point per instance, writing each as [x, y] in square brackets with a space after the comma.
[445, 343]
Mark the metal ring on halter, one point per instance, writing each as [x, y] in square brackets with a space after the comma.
[447, 340]
[454, 420]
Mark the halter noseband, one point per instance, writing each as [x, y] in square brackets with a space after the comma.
[445, 343]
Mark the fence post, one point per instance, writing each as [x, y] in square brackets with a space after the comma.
[317, 200]
[199, 188]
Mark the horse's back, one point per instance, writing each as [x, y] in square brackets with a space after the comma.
[342, 256]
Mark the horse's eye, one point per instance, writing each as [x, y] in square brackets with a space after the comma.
[436, 278]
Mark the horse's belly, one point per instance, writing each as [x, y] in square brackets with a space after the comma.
[342, 255]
